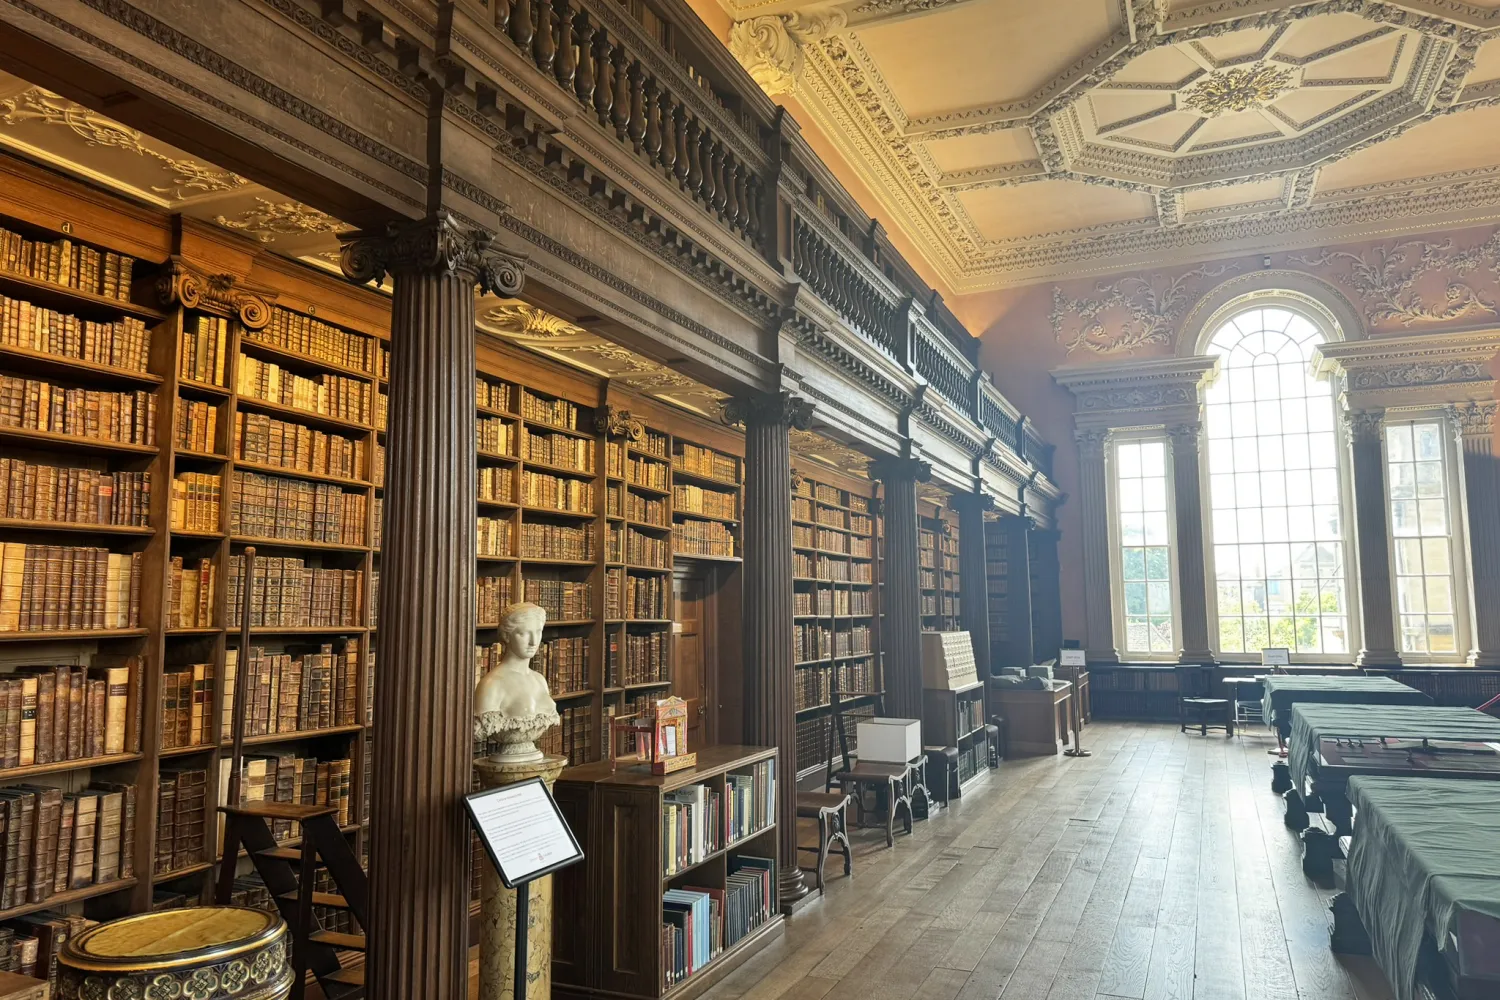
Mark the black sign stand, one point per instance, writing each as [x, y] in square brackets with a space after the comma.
[522, 882]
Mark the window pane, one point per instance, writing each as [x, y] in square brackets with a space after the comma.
[1145, 586]
[1274, 489]
[1417, 471]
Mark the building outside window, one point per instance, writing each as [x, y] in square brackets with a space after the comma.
[1143, 523]
[1427, 563]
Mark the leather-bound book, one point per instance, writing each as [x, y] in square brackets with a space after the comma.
[116, 687]
[85, 822]
[49, 805]
[62, 868]
[107, 837]
[46, 683]
[27, 727]
[166, 821]
[61, 685]
[76, 745]
[10, 756]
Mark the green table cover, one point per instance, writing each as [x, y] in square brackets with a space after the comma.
[1282, 691]
[1311, 721]
[1424, 850]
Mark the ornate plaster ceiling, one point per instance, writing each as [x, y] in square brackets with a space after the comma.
[1015, 141]
[39, 125]
[814, 447]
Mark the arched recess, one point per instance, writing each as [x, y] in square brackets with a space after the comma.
[1324, 304]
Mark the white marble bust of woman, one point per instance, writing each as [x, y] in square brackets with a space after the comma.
[512, 701]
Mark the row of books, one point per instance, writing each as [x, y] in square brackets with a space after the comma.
[64, 262]
[53, 588]
[494, 536]
[195, 501]
[540, 489]
[811, 642]
[497, 483]
[861, 524]
[290, 445]
[51, 493]
[190, 593]
[291, 694]
[556, 541]
[286, 593]
[833, 541]
[119, 417]
[706, 462]
[494, 395]
[699, 923]
[712, 503]
[492, 597]
[201, 348]
[629, 596]
[703, 538]
[278, 507]
[495, 435]
[329, 395]
[285, 777]
[557, 412]
[564, 661]
[863, 548]
[56, 714]
[56, 841]
[565, 600]
[377, 464]
[187, 706]
[647, 510]
[122, 343]
[646, 472]
[832, 518]
[802, 509]
[181, 804]
[36, 939]
[645, 550]
[196, 426]
[814, 685]
[573, 738]
[314, 338]
[803, 537]
[377, 523]
[645, 655]
[561, 450]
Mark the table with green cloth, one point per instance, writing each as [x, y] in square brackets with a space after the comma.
[1282, 691]
[1425, 863]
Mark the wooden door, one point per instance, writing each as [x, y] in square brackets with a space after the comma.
[690, 604]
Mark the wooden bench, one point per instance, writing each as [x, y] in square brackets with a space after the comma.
[891, 786]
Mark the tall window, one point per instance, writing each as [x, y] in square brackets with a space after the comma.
[1427, 583]
[1275, 488]
[1145, 547]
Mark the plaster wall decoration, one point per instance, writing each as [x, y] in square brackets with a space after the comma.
[269, 218]
[770, 47]
[815, 447]
[1144, 102]
[1417, 282]
[1130, 314]
[1414, 369]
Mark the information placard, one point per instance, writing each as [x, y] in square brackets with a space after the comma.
[1275, 656]
[522, 831]
[1073, 658]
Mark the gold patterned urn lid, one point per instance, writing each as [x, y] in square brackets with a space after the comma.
[173, 939]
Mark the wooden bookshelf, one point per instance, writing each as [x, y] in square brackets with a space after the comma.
[611, 903]
[937, 561]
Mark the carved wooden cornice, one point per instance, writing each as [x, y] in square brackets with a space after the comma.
[1138, 393]
[180, 283]
[1413, 370]
[434, 245]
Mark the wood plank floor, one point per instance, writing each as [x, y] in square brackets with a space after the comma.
[1157, 868]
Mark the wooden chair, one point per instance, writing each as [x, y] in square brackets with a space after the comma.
[831, 810]
[1196, 707]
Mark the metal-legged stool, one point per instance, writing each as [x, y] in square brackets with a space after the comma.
[830, 809]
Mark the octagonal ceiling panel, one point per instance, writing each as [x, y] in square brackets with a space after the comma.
[985, 149]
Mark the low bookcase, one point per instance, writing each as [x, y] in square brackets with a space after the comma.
[608, 910]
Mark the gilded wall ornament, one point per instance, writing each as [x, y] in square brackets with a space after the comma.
[525, 320]
[1388, 280]
[1130, 313]
[270, 219]
[1239, 89]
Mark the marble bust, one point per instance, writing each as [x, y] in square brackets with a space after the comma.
[512, 701]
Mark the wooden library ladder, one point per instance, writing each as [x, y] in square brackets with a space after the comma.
[289, 872]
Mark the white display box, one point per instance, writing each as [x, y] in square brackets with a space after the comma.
[889, 741]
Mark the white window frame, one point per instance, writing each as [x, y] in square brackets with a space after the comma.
[1116, 563]
[1458, 521]
[1313, 312]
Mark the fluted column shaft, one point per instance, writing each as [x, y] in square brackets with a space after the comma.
[1371, 519]
[901, 631]
[419, 856]
[768, 605]
[1476, 424]
[1192, 574]
[1093, 498]
[973, 581]
[1020, 651]
[1046, 595]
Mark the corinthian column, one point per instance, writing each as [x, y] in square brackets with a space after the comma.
[901, 598]
[418, 928]
[1373, 538]
[1476, 425]
[1093, 490]
[1192, 576]
[768, 607]
[973, 583]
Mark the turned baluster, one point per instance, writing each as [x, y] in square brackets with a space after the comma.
[680, 164]
[522, 27]
[637, 129]
[583, 83]
[502, 15]
[604, 94]
[620, 113]
[737, 213]
[752, 202]
[653, 122]
[721, 193]
[567, 56]
[695, 161]
[705, 156]
[544, 42]
[668, 156]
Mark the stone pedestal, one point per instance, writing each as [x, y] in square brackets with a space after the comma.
[497, 921]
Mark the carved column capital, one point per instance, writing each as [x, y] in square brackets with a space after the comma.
[1475, 420]
[1364, 425]
[1185, 435]
[980, 501]
[1091, 442]
[181, 283]
[770, 46]
[1018, 522]
[436, 244]
[781, 407]
[893, 468]
[618, 422]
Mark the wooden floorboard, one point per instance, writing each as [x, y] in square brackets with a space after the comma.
[1156, 869]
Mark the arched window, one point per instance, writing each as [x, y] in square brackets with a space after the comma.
[1276, 485]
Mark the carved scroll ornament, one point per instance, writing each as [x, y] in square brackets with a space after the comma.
[1388, 280]
[770, 46]
[1130, 313]
[432, 245]
[181, 283]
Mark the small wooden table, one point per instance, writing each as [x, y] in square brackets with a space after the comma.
[890, 783]
[1036, 720]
